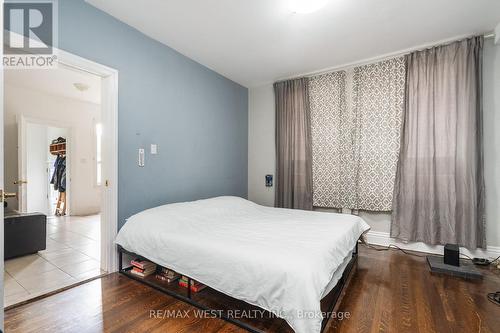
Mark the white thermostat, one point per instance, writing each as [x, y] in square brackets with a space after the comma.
[141, 157]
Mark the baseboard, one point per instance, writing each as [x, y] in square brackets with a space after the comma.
[384, 239]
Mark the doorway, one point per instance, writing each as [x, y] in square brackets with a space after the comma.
[59, 154]
[78, 238]
[48, 190]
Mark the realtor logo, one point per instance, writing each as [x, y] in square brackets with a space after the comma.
[29, 34]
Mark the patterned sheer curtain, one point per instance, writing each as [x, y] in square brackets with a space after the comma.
[328, 107]
[355, 126]
[379, 101]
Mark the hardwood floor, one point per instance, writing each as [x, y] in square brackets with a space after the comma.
[391, 292]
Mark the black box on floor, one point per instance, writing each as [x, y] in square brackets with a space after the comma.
[452, 254]
[466, 270]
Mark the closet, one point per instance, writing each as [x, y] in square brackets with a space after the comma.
[58, 179]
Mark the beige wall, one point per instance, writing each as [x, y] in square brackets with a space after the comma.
[261, 151]
[79, 116]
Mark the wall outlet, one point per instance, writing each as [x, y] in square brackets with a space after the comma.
[269, 180]
[154, 149]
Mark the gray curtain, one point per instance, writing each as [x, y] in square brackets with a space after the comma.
[439, 189]
[293, 145]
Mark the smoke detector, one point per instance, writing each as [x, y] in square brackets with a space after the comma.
[81, 86]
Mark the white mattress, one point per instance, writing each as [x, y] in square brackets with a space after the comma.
[281, 260]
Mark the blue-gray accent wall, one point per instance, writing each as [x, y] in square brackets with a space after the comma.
[198, 118]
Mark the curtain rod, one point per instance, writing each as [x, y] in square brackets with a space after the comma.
[387, 56]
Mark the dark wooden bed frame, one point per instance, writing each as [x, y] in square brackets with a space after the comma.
[219, 303]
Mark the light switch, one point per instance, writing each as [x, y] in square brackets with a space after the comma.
[141, 157]
[154, 149]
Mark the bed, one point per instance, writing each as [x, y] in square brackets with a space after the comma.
[281, 260]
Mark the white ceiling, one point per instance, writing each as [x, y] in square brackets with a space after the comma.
[259, 41]
[59, 82]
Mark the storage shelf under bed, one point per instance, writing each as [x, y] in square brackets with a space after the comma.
[215, 302]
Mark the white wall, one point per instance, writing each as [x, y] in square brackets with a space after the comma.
[261, 144]
[261, 158]
[491, 108]
[79, 116]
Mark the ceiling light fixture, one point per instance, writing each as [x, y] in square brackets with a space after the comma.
[81, 86]
[306, 6]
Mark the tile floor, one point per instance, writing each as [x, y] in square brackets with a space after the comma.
[72, 255]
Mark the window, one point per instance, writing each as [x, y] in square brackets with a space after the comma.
[355, 127]
[98, 155]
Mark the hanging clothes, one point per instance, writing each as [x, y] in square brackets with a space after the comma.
[59, 175]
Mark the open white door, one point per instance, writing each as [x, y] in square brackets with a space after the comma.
[1, 188]
[1, 174]
[22, 162]
[33, 155]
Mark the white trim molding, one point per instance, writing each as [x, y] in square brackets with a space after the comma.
[384, 239]
[109, 120]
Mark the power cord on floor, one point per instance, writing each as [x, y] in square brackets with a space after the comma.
[495, 260]
[492, 297]
[495, 297]
[391, 246]
[395, 247]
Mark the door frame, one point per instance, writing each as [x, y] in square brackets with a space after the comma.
[109, 120]
[2, 235]
[22, 125]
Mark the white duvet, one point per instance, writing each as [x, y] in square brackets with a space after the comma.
[281, 260]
